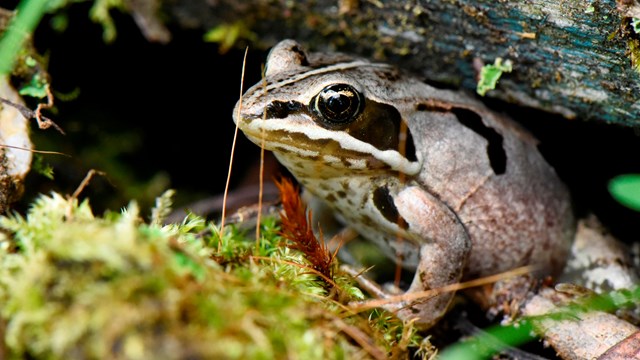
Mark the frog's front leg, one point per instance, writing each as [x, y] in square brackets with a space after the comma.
[443, 252]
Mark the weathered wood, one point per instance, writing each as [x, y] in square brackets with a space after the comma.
[570, 57]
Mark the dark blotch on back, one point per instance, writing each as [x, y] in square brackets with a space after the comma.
[441, 85]
[410, 150]
[384, 202]
[495, 150]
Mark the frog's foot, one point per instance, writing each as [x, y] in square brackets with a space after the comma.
[371, 287]
[425, 311]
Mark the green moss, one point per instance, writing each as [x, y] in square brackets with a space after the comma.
[100, 13]
[76, 285]
[634, 53]
[635, 24]
[226, 35]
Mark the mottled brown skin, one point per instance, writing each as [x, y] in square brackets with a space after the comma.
[474, 198]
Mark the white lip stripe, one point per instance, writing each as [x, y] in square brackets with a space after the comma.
[323, 70]
[346, 141]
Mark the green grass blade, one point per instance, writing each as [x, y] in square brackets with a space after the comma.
[485, 345]
[28, 15]
[626, 190]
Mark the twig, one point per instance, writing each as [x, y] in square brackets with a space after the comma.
[233, 148]
[85, 182]
[34, 151]
[359, 306]
[43, 121]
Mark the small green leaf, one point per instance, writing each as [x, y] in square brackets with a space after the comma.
[590, 9]
[59, 22]
[36, 88]
[30, 61]
[490, 74]
[41, 167]
[635, 23]
[626, 190]
[100, 13]
[226, 35]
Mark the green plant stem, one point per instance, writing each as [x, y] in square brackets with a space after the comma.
[28, 15]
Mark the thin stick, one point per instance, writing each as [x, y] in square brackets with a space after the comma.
[43, 121]
[402, 149]
[80, 188]
[34, 151]
[369, 304]
[233, 148]
[261, 179]
[85, 182]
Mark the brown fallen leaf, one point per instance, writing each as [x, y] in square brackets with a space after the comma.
[629, 348]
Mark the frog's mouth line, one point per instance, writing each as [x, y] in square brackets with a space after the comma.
[314, 142]
[298, 145]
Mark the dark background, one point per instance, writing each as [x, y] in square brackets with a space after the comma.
[157, 116]
[149, 114]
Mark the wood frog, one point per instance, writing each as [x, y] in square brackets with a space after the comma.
[433, 177]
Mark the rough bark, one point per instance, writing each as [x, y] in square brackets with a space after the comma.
[570, 57]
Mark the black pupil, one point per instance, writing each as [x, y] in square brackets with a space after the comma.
[337, 102]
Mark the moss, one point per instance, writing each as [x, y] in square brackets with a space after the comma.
[227, 35]
[100, 13]
[634, 54]
[76, 285]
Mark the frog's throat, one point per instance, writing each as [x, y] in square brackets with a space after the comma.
[311, 141]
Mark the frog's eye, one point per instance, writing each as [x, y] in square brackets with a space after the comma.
[337, 104]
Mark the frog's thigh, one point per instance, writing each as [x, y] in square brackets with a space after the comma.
[443, 253]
